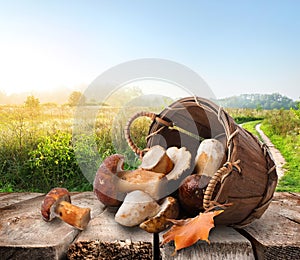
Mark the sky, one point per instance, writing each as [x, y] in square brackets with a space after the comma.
[237, 47]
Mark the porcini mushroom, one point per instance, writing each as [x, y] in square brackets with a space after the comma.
[57, 203]
[157, 160]
[191, 193]
[152, 182]
[105, 182]
[137, 207]
[169, 209]
[111, 182]
[210, 156]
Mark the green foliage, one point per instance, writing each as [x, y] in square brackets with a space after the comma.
[283, 122]
[243, 115]
[34, 154]
[37, 151]
[53, 163]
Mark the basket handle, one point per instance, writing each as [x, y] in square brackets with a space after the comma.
[153, 117]
[128, 138]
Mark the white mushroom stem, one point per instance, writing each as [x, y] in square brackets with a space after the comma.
[137, 207]
[157, 160]
[147, 181]
[181, 158]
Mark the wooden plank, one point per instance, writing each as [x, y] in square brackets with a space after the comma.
[7, 199]
[24, 235]
[225, 243]
[106, 239]
[277, 234]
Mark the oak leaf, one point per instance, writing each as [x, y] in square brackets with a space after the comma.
[187, 232]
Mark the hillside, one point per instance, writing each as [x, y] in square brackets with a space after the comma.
[258, 101]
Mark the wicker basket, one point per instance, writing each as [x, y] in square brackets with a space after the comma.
[247, 179]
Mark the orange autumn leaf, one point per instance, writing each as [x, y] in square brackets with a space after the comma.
[188, 231]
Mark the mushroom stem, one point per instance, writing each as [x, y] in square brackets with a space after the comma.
[73, 215]
[157, 160]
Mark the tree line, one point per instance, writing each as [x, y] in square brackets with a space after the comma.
[259, 101]
[252, 101]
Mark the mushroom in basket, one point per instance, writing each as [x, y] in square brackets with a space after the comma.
[143, 189]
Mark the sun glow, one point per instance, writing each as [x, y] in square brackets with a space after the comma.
[27, 68]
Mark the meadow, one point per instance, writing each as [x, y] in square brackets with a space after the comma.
[39, 150]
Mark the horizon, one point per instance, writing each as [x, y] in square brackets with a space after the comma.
[51, 96]
[236, 47]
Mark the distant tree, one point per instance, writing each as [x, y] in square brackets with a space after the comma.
[32, 102]
[76, 98]
[123, 95]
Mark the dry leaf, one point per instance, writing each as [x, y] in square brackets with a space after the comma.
[188, 231]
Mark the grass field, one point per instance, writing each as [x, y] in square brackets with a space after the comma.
[39, 150]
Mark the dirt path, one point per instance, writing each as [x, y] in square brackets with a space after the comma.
[278, 158]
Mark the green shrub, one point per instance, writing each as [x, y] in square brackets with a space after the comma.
[53, 163]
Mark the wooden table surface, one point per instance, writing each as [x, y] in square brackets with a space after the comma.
[24, 235]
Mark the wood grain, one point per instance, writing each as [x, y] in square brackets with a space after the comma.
[277, 234]
[225, 243]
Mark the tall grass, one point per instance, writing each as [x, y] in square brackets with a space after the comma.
[39, 150]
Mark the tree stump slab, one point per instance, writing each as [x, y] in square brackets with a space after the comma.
[7, 199]
[276, 235]
[25, 235]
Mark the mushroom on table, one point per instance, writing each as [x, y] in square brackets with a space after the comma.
[57, 203]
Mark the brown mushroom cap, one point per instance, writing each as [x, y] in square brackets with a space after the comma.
[53, 197]
[105, 181]
[191, 193]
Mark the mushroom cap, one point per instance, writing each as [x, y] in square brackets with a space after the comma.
[191, 193]
[53, 197]
[105, 181]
